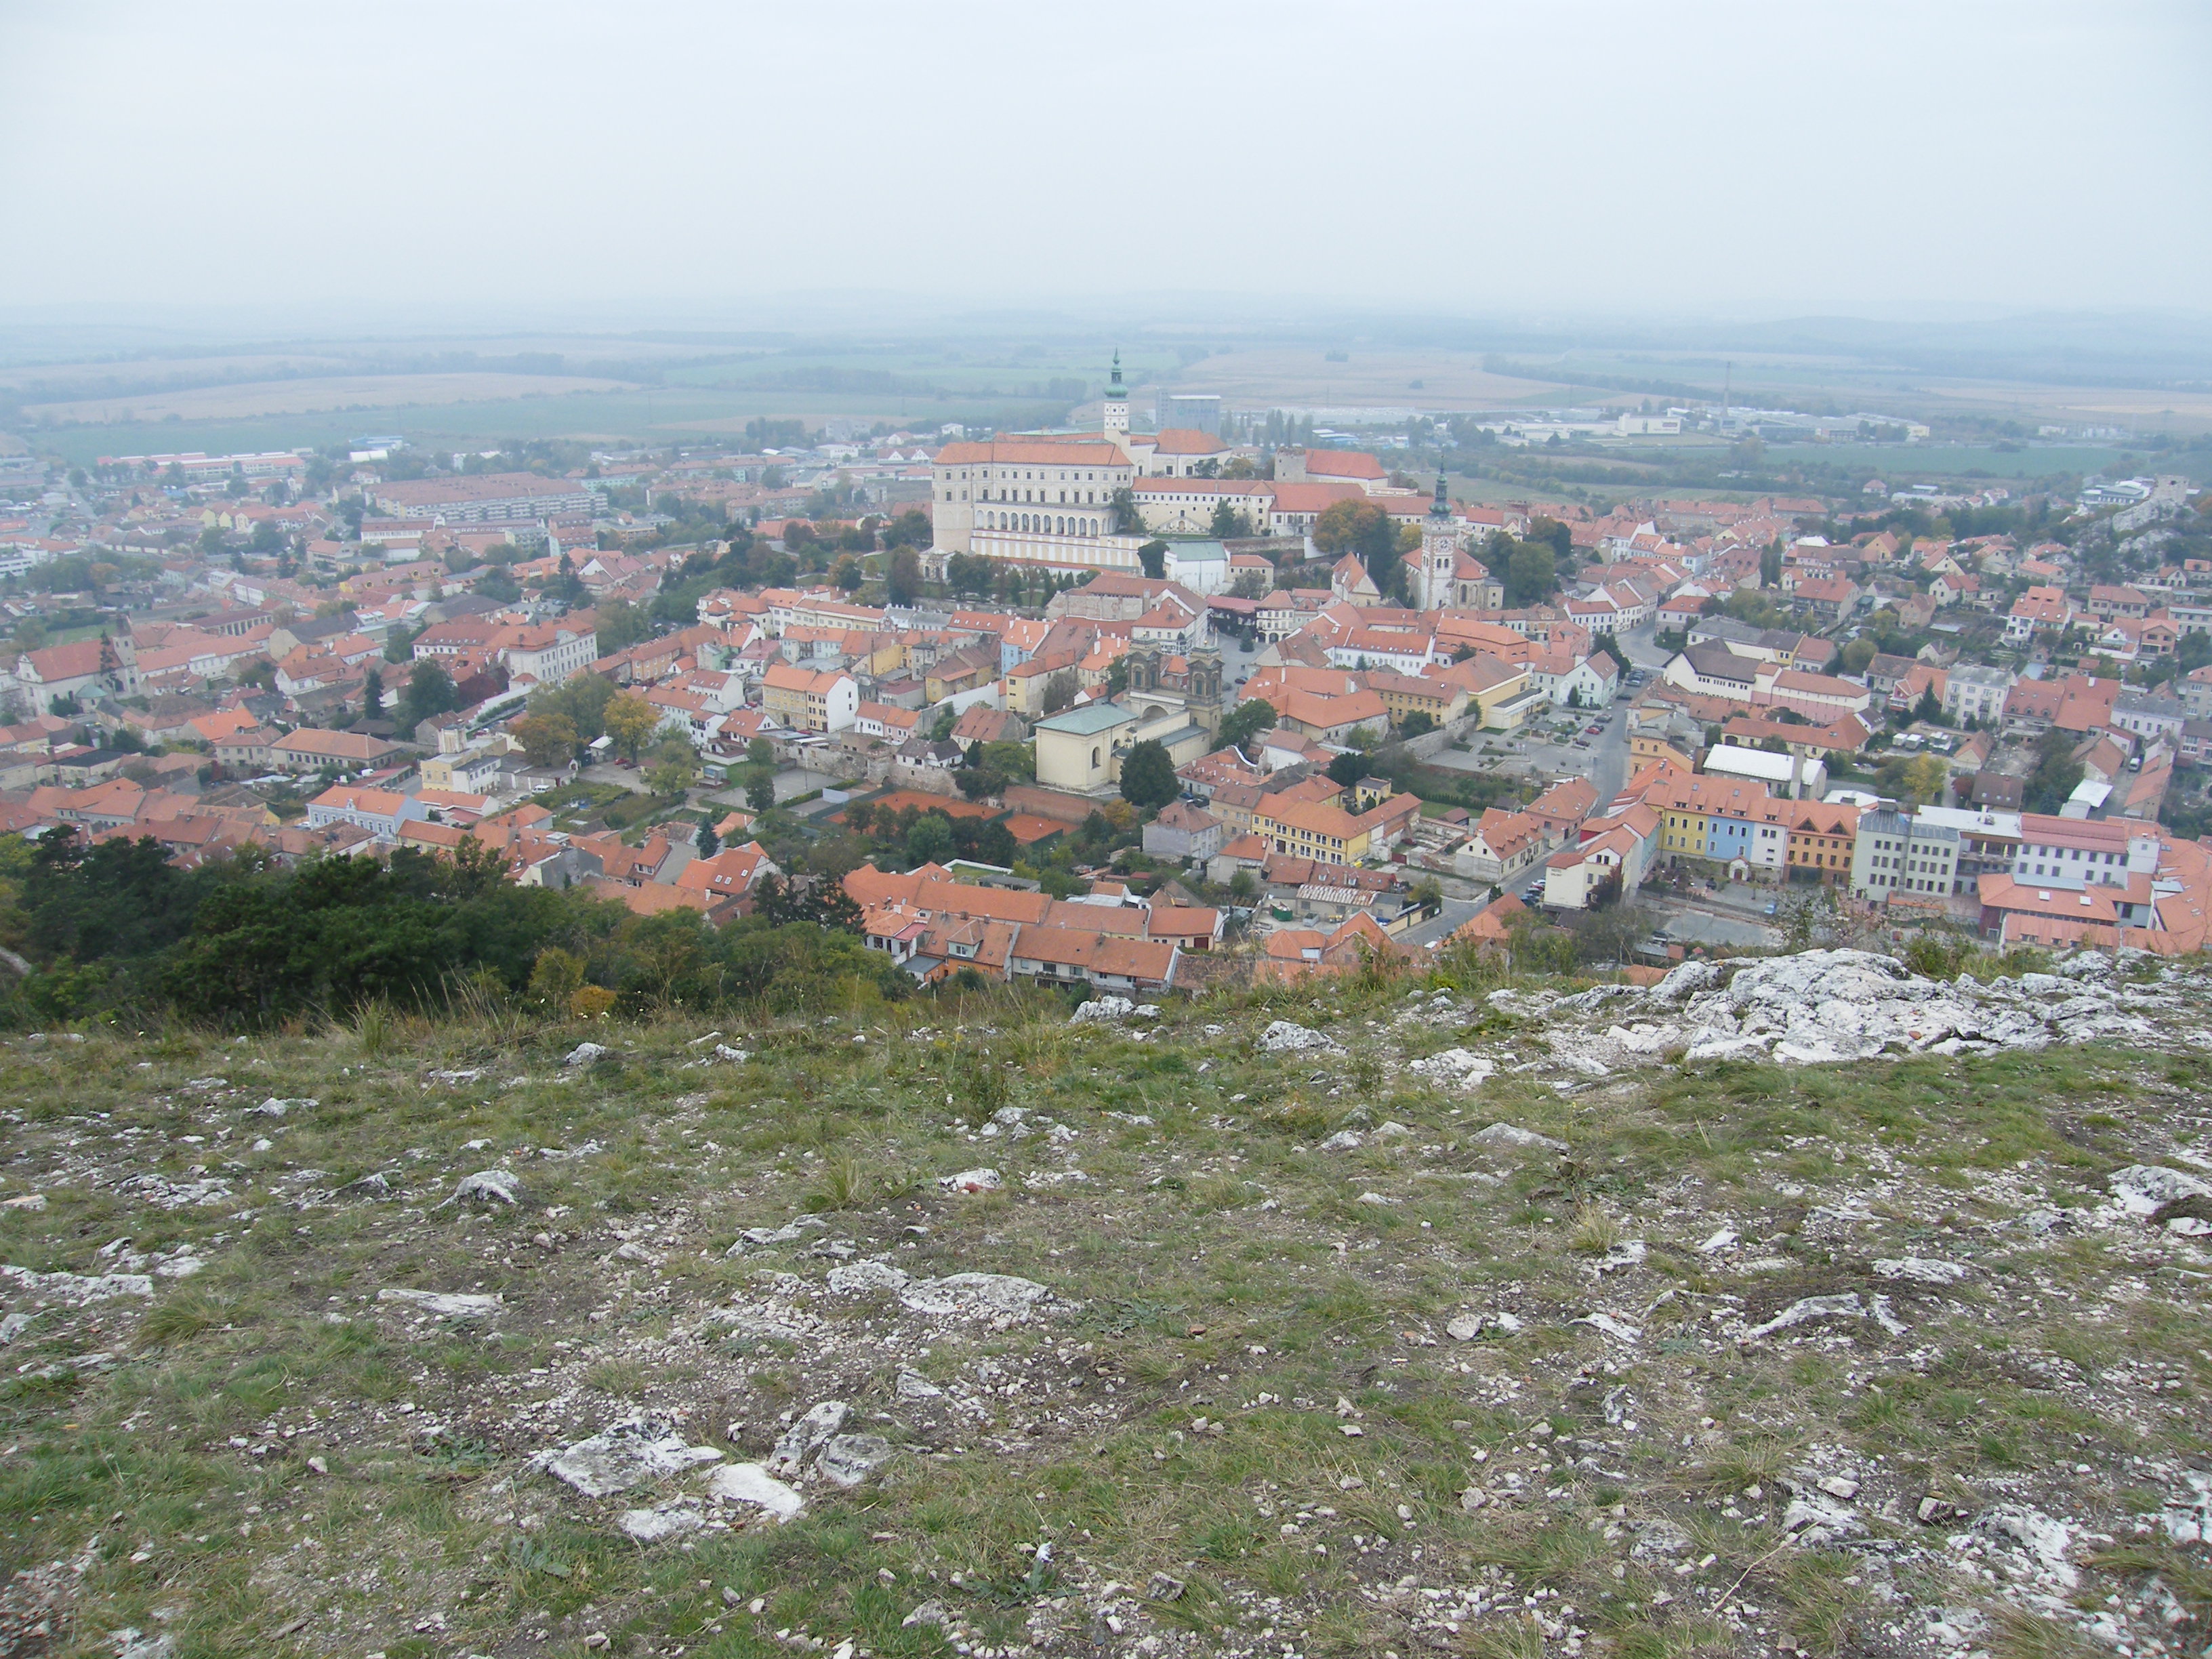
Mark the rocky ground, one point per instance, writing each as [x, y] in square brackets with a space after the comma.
[1806, 1308]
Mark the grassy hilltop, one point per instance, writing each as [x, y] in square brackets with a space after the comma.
[1313, 1369]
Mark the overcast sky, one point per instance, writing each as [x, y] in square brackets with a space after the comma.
[1865, 158]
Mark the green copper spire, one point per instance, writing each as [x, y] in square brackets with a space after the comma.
[1442, 509]
[1116, 390]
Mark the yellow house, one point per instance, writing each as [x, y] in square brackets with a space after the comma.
[1500, 690]
[1410, 694]
[1644, 747]
[1077, 750]
[1081, 750]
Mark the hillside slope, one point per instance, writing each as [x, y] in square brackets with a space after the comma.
[1812, 1308]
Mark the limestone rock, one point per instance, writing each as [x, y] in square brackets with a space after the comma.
[970, 1180]
[1509, 1134]
[847, 1459]
[1286, 1037]
[975, 1296]
[1454, 1068]
[807, 1435]
[662, 1521]
[750, 1483]
[1921, 1269]
[2145, 1188]
[630, 1453]
[444, 1305]
[487, 1187]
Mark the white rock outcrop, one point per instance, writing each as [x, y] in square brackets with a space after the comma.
[628, 1454]
[1286, 1037]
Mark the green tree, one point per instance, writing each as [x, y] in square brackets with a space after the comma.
[2056, 774]
[1153, 557]
[546, 739]
[1341, 526]
[372, 694]
[1228, 522]
[1532, 574]
[1420, 722]
[970, 573]
[759, 788]
[1856, 655]
[429, 693]
[621, 625]
[1246, 721]
[930, 841]
[631, 721]
[902, 584]
[1129, 516]
[672, 776]
[707, 843]
[1348, 769]
[1770, 564]
[1148, 776]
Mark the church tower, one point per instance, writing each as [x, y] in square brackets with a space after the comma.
[1117, 404]
[1439, 552]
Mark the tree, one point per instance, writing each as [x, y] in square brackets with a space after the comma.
[930, 841]
[372, 694]
[2056, 774]
[970, 573]
[1348, 769]
[1856, 655]
[1770, 564]
[1341, 526]
[1153, 555]
[1148, 776]
[902, 584]
[429, 693]
[631, 721]
[1129, 516]
[622, 624]
[1919, 779]
[706, 841]
[1531, 574]
[847, 573]
[672, 776]
[1228, 522]
[759, 788]
[547, 739]
[1928, 709]
[1246, 721]
[1416, 724]
[1242, 887]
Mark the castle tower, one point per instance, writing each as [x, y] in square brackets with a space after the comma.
[1439, 552]
[1117, 422]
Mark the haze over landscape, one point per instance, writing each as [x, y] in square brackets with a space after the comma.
[1277, 831]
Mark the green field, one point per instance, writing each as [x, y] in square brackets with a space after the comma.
[658, 417]
[1940, 461]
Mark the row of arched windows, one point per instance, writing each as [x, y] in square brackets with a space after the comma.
[1043, 524]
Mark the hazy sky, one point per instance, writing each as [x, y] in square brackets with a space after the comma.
[1864, 157]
